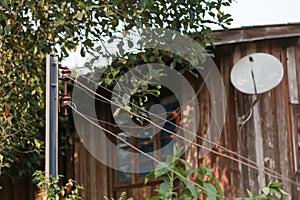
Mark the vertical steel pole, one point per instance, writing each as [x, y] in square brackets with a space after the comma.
[51, 167]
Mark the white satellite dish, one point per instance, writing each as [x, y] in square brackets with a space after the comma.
[259, 70]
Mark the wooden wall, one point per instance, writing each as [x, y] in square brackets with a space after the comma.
[13, 190]
[270, 138]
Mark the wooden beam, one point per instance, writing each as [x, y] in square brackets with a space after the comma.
[254, 33]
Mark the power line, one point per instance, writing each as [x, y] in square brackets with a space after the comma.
[108, 90]
[278, 175]
[264, 170]
[145, 154]
[106, 102]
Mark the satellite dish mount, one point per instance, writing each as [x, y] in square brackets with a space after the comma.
[255, 74]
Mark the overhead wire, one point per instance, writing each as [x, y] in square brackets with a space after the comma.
[207, 140]
[145, 154]
[265, 170]
[106, 102]
[111, 124]
[108, 90]
[269, 172]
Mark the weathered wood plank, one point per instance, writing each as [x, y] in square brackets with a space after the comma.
[296, 138]
[269, 126]
[295, 112]
[291, 72]
[76, 162]
[93, 177]
[141, 192]
[239, 52]
[252, 128]
[281, 108]
[190, 118]
[229, 169]
[82, 170]
[297, 192]
[259, 145]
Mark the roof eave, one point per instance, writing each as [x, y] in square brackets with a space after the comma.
[254, 33]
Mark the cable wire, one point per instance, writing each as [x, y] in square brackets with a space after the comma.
[264, 170]
[145, 154]
[108, 90]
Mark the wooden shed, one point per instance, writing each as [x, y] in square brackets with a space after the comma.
[271, 138]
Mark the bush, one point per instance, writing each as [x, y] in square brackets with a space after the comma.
[50, 189]
[175, 173]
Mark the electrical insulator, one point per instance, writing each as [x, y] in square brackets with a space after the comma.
[65, 77]
[66, 100]
[65, 74]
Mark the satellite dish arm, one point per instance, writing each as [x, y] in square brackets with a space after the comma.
[248, 115]
[254, 82]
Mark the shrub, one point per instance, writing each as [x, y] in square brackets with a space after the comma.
[50, 189]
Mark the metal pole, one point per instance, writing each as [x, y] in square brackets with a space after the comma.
[51, 167]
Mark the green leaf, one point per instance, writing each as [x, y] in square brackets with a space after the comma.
[130, 44]
[109, 13]
[164, 187]
[216, 182]
[283, 192]
[250, 194]
[35, 50]
[161, 169]
[210, 190]
[191, 188]
[1, 30]
[82, 52]
[181, 171]
[138, 23]
[209, 171]
[270, 183]
[276, 191]
[266, 190]
[154, 198]
[79, 16]
[150, 176]
[189, 170]
[7, 28]
[275, 184]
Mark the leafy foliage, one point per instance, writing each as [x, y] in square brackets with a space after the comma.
[271, 192]
[51, 190]
[31, 29]
[176, 173]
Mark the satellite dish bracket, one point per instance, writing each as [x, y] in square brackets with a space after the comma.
[244, 118]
